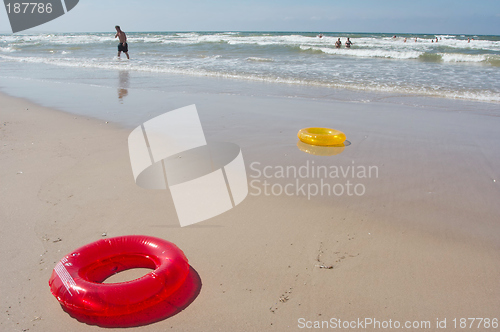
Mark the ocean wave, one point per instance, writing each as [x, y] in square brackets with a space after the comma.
[423, 43]
[257, 59]
[446, 36]
[187, 34]
[9, 49]
[430, 57]
[456, 57]
[490, 59]
[466, 94]
[213, 57]
[49, 39]
[366, 53]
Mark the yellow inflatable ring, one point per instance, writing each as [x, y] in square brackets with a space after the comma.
[321, 136]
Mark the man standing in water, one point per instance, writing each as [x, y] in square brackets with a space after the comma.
[123, 46]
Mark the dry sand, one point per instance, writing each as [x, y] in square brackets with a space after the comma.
[421, 244]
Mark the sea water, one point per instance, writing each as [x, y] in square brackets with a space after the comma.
[291, 64]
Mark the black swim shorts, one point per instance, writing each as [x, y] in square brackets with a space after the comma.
[122, 48]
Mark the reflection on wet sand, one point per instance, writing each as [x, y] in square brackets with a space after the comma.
[123, 84]
[322, 150]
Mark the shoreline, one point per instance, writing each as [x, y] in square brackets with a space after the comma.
[375, 64]
[320, 90]
[421, 244]
[136, 105]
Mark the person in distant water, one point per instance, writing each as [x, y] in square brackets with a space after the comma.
[436, 39]
[405, 40]
[123, 46]
[468, 40]
[348, 43]
[415, 39]
[338, 43]
[394, 36]
[320, 35]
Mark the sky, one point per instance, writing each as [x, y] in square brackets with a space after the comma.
[479, 17]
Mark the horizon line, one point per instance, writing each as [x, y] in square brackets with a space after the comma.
[248, 31]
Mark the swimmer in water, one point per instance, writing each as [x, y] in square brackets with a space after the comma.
[338, 43]
[123, 46]
[348, 43]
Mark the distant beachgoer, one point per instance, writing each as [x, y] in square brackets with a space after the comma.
[436, 39]
[468, 40]
[320, 35]
[338, 43]
[415, 39]
[123, 46]
[432, 40]
[348, 43]
[394, 36]
[405, 40]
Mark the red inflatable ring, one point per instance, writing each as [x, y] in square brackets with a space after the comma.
[77, 279]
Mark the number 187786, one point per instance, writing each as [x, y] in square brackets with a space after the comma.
[29, 8]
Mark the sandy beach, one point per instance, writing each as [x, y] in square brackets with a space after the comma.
[153, 176]
[421, 244]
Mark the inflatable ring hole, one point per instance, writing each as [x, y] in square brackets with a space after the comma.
[112, 269]
[127, 275]
[322, 131]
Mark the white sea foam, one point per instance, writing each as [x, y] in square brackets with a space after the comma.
[366, 53]
[236, 38]
[446, 36]
[254, 58]
[7, 49]
[455, 57]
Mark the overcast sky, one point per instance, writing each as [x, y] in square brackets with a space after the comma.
[390, 16]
